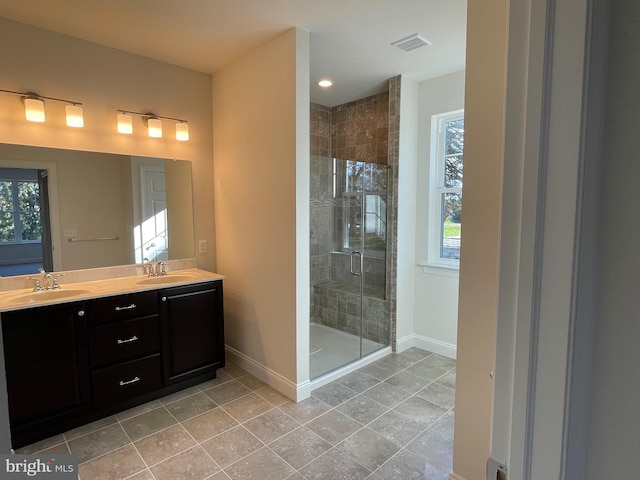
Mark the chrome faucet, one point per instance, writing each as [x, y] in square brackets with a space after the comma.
[161, 269]
[148, 267]
[41, 283]
[37, 287]
[151, 270]
[47, 282]
[55, 284]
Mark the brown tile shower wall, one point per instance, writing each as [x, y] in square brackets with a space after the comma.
[321, 218]
[321, 192]
[355, 131]
[361, 129]
[336, 305]
[320, 130]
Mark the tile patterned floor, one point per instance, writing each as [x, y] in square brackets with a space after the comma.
[392, 419]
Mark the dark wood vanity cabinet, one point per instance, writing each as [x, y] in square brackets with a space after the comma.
[124, 347]
[192, 331]
[74, 363]
[47, 368]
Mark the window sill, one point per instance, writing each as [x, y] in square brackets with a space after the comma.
[440, 269]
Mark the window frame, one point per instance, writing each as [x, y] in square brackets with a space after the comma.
[437, 189]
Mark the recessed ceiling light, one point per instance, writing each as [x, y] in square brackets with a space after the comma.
[325, 83]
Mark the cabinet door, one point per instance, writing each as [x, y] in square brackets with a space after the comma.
[46, 362]
[192, 331]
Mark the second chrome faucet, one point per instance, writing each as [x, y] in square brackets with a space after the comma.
[154, 270]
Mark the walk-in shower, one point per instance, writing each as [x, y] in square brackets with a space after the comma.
[349, 308]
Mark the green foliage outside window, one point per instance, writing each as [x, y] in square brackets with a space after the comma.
[29, 204]
[21, 224]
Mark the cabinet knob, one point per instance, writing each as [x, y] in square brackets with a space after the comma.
[164, 299]
[81, 313]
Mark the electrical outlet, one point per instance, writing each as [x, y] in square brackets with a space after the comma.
[202, 246]
[70, 232]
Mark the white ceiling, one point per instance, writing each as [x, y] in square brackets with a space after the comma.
[350, 39]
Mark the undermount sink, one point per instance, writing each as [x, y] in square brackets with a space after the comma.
[48, 295]
[164, 279]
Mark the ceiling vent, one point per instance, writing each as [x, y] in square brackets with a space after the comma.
[412, 42]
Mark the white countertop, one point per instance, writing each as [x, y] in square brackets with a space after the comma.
[18, 299]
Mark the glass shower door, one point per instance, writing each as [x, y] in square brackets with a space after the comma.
[349, 312]
[364, 227]
[354, 246]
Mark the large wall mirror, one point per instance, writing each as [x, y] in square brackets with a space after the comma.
[69, 210]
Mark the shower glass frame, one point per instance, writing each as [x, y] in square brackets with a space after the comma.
[358, 253]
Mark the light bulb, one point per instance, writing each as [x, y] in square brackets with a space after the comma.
[182, 131]
[155, 127]
[74, 116]
[125, 123]
[34, 109]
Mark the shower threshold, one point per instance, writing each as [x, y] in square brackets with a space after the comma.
[332, 349]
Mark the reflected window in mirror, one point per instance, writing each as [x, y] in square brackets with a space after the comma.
[21, 222]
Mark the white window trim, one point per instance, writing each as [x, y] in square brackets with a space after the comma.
[436, 174]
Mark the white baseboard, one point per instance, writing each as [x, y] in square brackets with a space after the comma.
[425, 343]
[404, 343]
[455, 476]
[296, 392]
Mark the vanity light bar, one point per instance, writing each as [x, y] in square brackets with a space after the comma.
[34, 108]
[153, 123]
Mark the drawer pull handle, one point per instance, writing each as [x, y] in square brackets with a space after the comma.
[124, 383]
[128, 307]
[127, 340]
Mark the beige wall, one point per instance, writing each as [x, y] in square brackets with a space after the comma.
[105, 79]
[255, 172]
[477, 308]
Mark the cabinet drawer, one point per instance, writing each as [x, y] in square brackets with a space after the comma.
[113, 385]
[115, 342]
[122, 307]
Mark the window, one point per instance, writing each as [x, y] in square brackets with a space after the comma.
[445, 189]
[19, 211]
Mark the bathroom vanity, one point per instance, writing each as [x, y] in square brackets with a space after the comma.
[100, 347]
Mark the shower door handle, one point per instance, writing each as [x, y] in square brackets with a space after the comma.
[357, 274]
